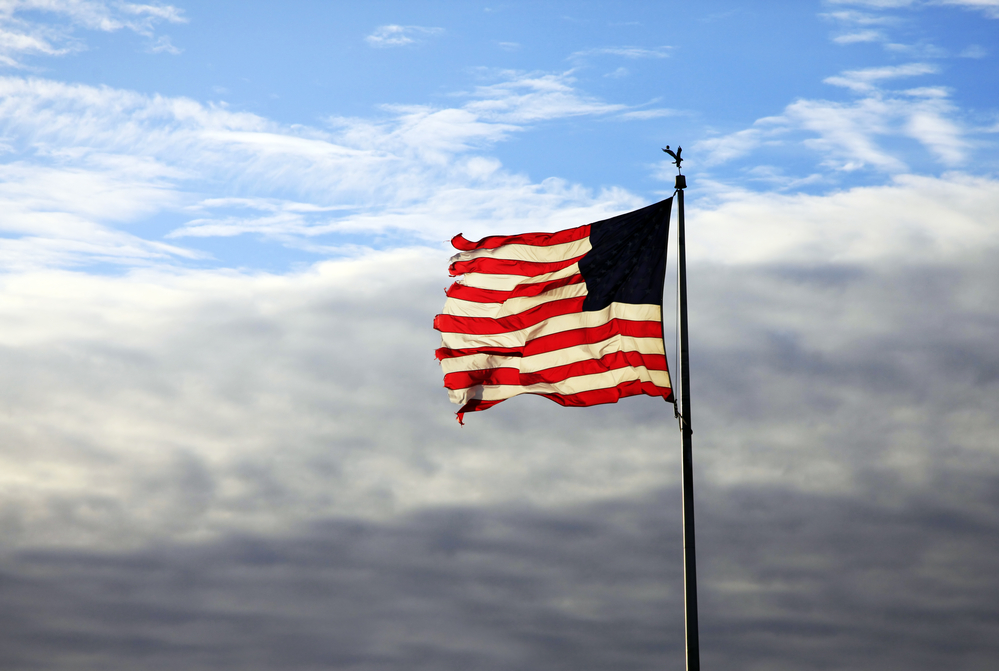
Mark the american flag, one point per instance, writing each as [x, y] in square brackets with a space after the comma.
[575, 316]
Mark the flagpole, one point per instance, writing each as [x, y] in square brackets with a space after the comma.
[689, 555]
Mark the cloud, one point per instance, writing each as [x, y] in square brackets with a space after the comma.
[413, 171]
[208, 467]
[974, 51]
[866, 79]
[733, 145]
[860, 18]
[593, 587]
[904, 220]
[532, 97]
[630, 52]
[399, 36]
[163, 45]
[877, 4]
[194, 463]
[208, 373]
[861, 36]
[988, 7]
[648, 114]
[846, 135]
[170, 406]
[20, 37]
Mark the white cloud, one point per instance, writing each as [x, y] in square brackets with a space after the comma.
[876, 4]
[140, 157]
[21, 37]
[974, 51]
[860, 18]
[631, 52]
[527, 98]
[163, 45]
[731, 146]
[398, 36]
[648, 114]
[845, 134]
[913, 219]
[866, 79]
[861, 36]
[988, 7]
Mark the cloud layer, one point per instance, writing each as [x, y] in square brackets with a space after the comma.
[416, 172]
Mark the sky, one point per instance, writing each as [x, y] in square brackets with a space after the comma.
[224, 441]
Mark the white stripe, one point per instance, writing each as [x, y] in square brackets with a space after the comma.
[510, 282]
[512, 306]
[572, 385]
[539, 254]
[575, 320]
[559, 357]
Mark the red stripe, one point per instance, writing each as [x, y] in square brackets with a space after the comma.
[612, 394]
[532, 239]
[446, 353]
[521, 320]
[491, 266]
[478, 405]
[550, 343]
[594, 334]
[476, 295]
[512, 376]
[586, 398]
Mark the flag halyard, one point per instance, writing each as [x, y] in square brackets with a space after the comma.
[575, 315]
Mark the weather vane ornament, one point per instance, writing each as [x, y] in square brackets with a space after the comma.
[676, 157]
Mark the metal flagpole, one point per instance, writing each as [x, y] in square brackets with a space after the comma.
[689, 555]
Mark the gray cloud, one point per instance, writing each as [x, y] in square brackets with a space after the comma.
[789, 580]
[224, 471]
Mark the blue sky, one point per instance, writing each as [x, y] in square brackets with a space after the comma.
[222, 235]
[580, 93]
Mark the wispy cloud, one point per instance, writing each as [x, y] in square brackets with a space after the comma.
[400, 36]
[860, 18]
[868, 78]
[988, 7]
[877, 4]
[974, 51]
[846, 135]
[21, 37]
[625, 52]
[530, 97]
[648, 114]
[162, 44]
[861, 36]
[414, 169]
